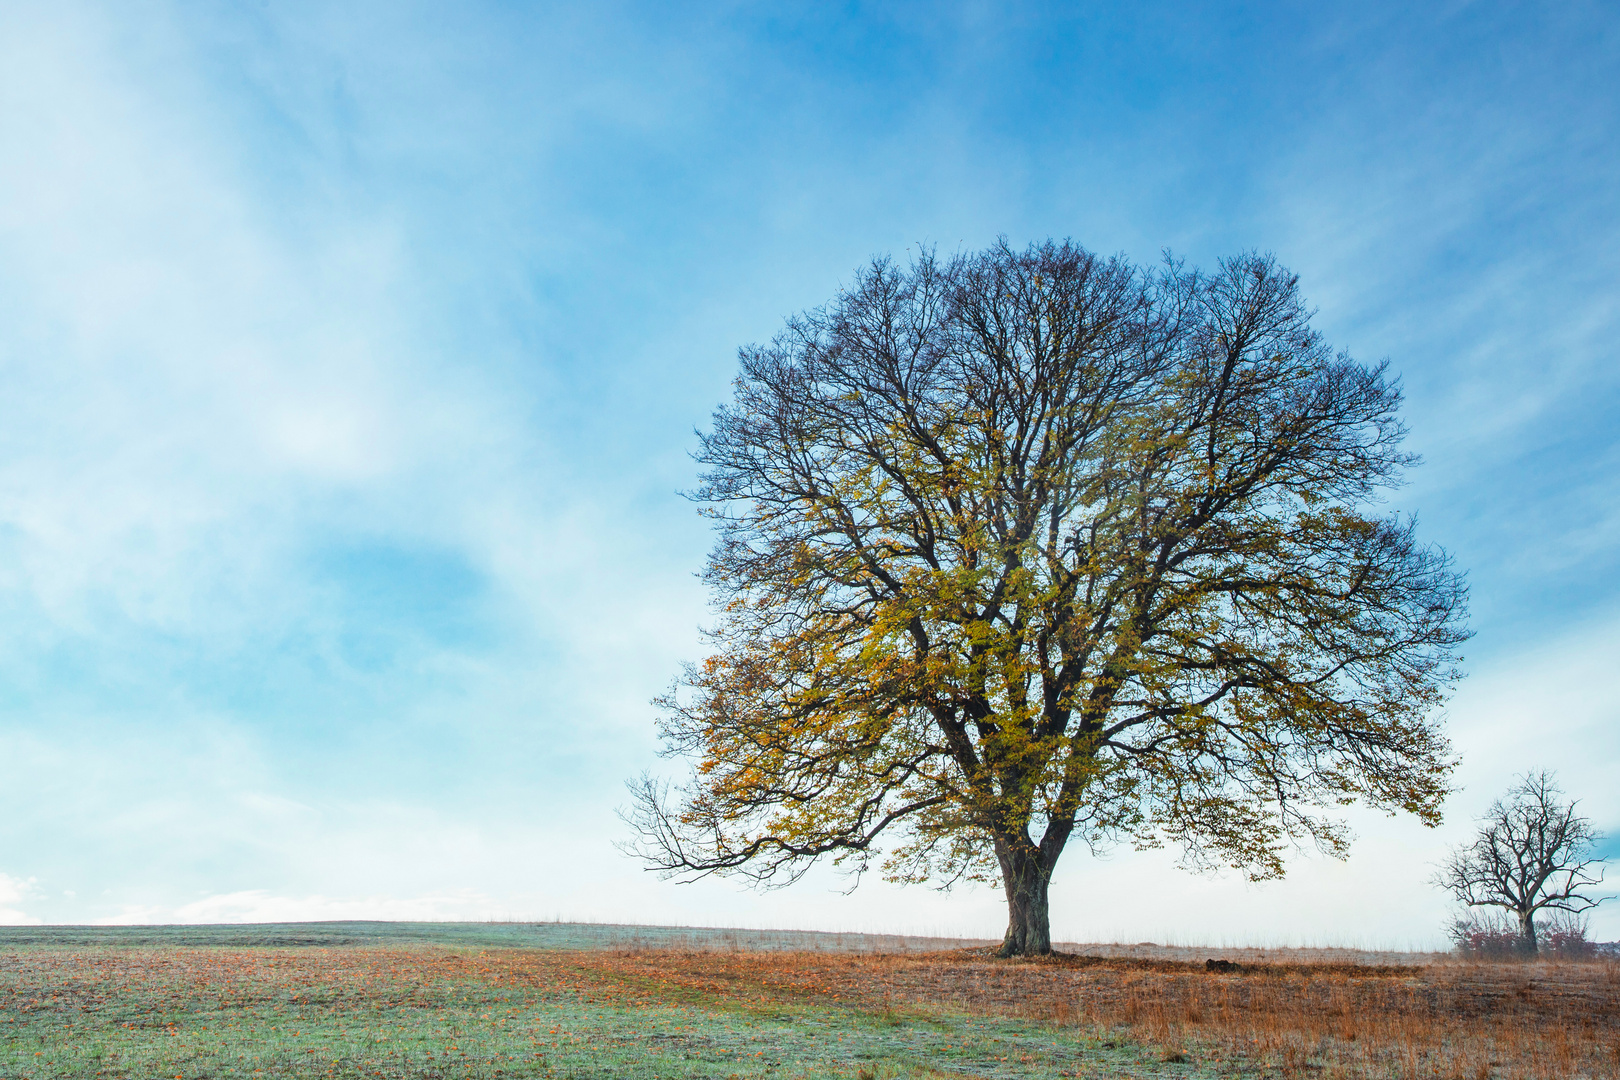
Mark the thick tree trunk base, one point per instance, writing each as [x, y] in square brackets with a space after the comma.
[1527, 934]
[1029, 927]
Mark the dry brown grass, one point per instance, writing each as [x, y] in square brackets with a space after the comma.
[1290, 1017]
[1450, 1020]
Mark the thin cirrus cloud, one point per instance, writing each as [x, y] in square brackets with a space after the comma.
[351, 355]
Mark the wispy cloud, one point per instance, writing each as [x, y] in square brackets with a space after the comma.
[349, 358]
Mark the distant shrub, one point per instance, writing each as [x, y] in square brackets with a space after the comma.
[1487, 937]
[1564, 936]
[1497, 937]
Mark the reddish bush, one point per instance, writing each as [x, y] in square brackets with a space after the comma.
[1487, 938]
[1487, 941]
[1566, 939]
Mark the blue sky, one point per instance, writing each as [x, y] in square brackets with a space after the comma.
[350, 357]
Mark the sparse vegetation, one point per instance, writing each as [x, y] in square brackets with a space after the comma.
[1497, 937]
[426, 1010]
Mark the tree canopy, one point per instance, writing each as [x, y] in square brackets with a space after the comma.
[1016, 548]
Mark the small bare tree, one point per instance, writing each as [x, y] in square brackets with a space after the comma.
[1533, 853]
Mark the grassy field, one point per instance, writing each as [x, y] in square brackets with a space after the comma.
[553, 1000]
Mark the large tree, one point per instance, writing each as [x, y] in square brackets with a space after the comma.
[1019, 548]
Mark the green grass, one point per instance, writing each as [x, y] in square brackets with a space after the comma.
[391, 1000]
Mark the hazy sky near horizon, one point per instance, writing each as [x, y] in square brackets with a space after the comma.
[350, 356]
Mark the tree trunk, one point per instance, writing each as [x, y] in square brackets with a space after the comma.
[1527, 932]
[1029, 927]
